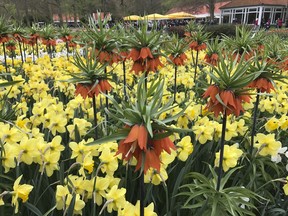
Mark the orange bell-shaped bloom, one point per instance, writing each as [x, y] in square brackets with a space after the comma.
[145, 53]
[211, 59]
[211, 92]
[134, 54]
[137, 67]
[178, 60]
[4, 38]
[263, 84]
[89, 90]
[231, 104]
[153, 64]
[104, 85]
[138, 144]
[153, 152]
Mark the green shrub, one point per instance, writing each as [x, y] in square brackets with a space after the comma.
[178, 30]
[218, 30]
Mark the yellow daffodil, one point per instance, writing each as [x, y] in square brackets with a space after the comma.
[203, 133]
[156, 177]
[50, 163]
[20, 191]
[285, 187]
[27, 150]
[272, 124]
[231, 156]
[82, 125]
[1, 201]
[115, 198]
[231, 131]
[266, 144]
[241, 128]
[9, 154]
[131, 210]
[78, 206]
[184, 148]
[283, 122]
[101, 186]
[9, 134]
[61, 193]
[109, 161]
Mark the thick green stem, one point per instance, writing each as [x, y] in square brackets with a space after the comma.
[254, 121]
[95, 115]
[220, 171]
[5, 57]
[175, 83]
[37, 49]
[142, 193]
[67, 49]
[196, 65]
[21, 52]
[124, 80]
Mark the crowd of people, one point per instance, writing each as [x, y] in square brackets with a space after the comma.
[267, 24]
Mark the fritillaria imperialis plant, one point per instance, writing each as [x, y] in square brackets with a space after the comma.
[264, 83]
[48, 38]
[66, 36]
[92, 78]
[145, 48]
[227, 94]
[197, 38]
[214, 49]
[143, 135]
[103, 40]
[243, 44]
[33, 38]
[4, 37]
[176, 49]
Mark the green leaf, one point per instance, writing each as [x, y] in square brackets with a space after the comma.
[33, 208]
[72, 205]
[50, 211]
[5, 84]
[116, 136]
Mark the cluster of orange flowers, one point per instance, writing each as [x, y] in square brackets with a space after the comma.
[231, 103]
[143, 60]
[139, 145]
[179, 60]
[48, 42]
[211, 59]
[108, 57]
[90, 89]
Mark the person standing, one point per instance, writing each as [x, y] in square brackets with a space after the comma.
[267, 25]
[279, 23]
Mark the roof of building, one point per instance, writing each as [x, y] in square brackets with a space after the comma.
[198, 10]
[245, 3]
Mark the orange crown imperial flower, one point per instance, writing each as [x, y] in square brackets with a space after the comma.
[89, 90]
[179, 60]
[138, 144]
[230, 103]
[263, 84]
[230, 89]
[211, 59]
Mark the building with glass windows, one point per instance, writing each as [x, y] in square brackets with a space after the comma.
[254, 12]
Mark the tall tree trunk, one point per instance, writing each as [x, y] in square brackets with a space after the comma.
[27, 16]
[60, 14]
[75, 15]
[211, 9]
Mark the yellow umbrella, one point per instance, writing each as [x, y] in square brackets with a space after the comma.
[133, 18]
[155, 16]
[181, 15]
